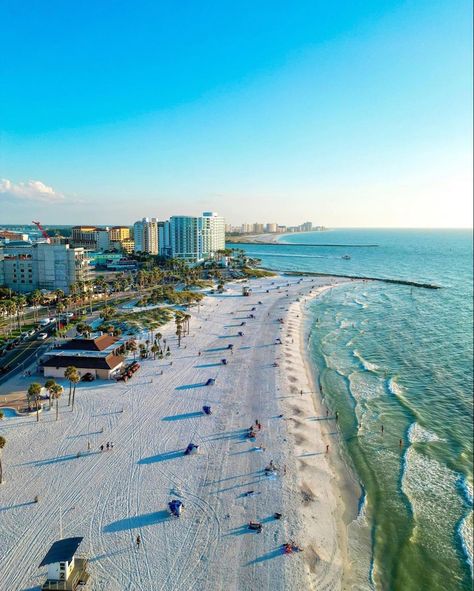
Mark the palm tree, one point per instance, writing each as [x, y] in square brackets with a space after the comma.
[48, 385]
[56, 391]
[155, 349]
[34, 392]
[187, 318]
[75, 379]
[20, 303]
[35, 299]
[107, 312]
[10, 307]
[179, 331]
[3, 442]
[70, 372]
[132, 346]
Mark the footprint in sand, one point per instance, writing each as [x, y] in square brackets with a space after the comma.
[311, 558]
[307, 494]
[299, 440]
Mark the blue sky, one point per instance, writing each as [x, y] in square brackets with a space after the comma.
[346, 113]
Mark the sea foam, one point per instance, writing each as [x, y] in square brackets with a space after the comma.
[466, 525]
[367, 365]
[418, 434]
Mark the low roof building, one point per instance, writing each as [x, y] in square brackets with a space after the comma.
[100, 366]
[96, 344]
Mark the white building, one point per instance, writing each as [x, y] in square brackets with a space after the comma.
[145, 234]
[271, 227]
[213, 233]
[195, 238]
[26, 267]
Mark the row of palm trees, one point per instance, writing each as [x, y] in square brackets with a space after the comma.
[182, 325]
[55, 391]
[13, 310]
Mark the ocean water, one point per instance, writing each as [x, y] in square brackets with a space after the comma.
[400, 357]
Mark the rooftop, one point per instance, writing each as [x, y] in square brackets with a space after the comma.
[97, 344]
[84, 361]
[61, 551]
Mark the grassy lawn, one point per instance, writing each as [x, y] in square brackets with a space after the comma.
[256, 273]
[133, 322]
[168, 295]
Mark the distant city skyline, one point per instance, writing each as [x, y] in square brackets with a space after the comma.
[347, 114]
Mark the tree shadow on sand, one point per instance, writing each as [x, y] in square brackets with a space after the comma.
[167, 455]
[136, 522]
[187, 415]
[191, 386]
[268, 556]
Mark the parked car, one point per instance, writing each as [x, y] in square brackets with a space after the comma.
[88, 377]
[42, 336]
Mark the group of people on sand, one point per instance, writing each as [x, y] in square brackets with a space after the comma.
[107, 446]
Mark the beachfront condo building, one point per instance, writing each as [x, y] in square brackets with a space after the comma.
[145, 235]
[195, 239]
[185, 238]
[26, 266]
[192, 238]
[213, 233]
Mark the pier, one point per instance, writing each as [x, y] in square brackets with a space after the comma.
[361, 277]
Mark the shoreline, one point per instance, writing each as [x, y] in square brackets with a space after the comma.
[152, 418]
[325, 478]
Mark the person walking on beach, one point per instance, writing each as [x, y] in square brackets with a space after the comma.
[138, 541]
[401, 444]
[337, 416]
[382, 429]
[327, 448]
[101, 448]
[108, 445]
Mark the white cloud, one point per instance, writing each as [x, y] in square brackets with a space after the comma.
[35, 191]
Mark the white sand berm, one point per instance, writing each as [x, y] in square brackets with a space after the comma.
[111, 497]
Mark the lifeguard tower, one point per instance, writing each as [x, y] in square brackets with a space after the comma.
[246, 290]
[66, 570]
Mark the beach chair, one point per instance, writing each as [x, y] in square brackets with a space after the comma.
[175, 507]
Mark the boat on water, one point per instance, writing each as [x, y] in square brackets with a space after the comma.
[346, 257]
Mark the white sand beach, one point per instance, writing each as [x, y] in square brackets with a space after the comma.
[112, 496]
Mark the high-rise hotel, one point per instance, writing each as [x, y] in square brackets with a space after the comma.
[187, 237]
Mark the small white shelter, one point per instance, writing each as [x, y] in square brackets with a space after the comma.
[66, 571]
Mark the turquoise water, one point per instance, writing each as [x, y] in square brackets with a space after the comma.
[400, 357]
